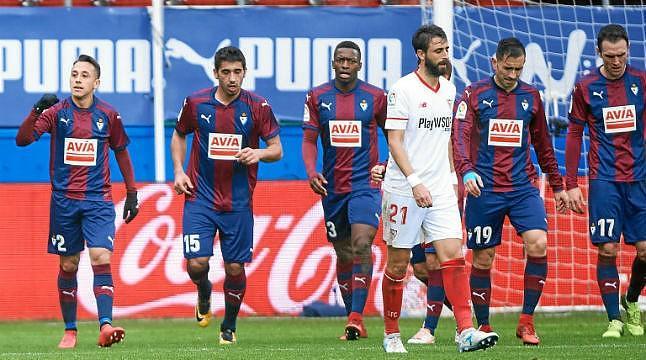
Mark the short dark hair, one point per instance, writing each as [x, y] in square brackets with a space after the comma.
[91, 60]
[612, 33]
[347, 44]
[422, 37]
[510, 47]
[230, 54]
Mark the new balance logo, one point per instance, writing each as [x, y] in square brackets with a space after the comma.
[207, 118]
[109, 288]
[599, 94]
[237, 296]
[327, 106]
[611, 284]
[488, 102]
[68, 293]
[481, 296]
[64, 121]
[362, 279]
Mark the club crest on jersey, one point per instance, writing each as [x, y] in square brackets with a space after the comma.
[99, 124]
[524, 104]
[224, 146]
[505, 132]
[80, 152]
[461, 112]
[392, 99]
[363, 105]
[243, 118]
[592, 229]
[618, 119]
[634, 88]
[345, 133]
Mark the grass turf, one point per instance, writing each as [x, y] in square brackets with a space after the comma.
[570, 336]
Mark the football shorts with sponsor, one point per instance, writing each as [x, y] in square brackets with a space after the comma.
[343, 210]
[617, 208]
[406, 224]
[73, 223]
[485, 215]
[200, 225]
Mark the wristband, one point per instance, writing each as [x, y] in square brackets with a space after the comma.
[454, 178]
[413, 180]
[471, 175]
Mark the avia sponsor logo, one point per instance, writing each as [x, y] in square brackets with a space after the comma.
[45, 65]
[224, 146]
[505, 132]
[345, 133]
[81, 152]
[618, 119]
[438, 122]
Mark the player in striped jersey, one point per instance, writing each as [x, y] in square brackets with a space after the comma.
[610, 101]
[227, 123]
[495, 120]
[84, 129]
[346, 113]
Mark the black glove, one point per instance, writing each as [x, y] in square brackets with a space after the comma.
[130, 208]
[45, 102]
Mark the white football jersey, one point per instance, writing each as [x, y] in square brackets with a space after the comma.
[425, 114]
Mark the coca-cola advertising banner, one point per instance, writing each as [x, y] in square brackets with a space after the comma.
[293, 263]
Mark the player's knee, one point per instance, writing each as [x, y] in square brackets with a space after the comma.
[538, 249]
[432, 262]
[608, 249]
[641, 253]
[362, 248]
[397, 268]
[419, 270]
[233, 269]
[69, 266]
[483, 259]
[196, 269]
[343, 250]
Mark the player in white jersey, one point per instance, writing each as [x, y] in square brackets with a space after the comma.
[418, 192]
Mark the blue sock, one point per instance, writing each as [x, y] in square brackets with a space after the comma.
[67, 293]
[535, 275]
[434, 299]
[480, 281]
[234, 290]
[344, 278]
[103, 292]
[608, 280]
[361, 278]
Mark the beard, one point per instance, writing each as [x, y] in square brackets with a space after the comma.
[434, 69]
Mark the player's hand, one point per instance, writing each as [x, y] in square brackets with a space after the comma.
[182, 183]
[131, 207]
[45, 102]
[317, 183]
[472, 183]
[562, 201]
[575, 199]
[422, 196]
[248, 156]
[377, 173]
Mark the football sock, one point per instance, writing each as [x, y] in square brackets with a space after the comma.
[480, 282]
[67, 292]
[234, 289]
[103, 292]
[535, 275]
[434, 299]
[392, 288]
[637, 280]
[608, 280]
[454, 274]
[361, 278]
[344, 278]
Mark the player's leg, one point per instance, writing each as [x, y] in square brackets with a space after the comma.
[236, 243]
[364, 209]
[99, 231]
[337, 230]
[199, 229]
[66, 241]
[606, 226]
[435, 296]
[443, 227]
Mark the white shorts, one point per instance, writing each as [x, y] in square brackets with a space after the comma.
[406, 224]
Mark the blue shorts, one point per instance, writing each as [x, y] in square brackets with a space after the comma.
[485, 215]
[418, 253]
[620, 207]
[73, 222]
[343, 210]
[200, 224]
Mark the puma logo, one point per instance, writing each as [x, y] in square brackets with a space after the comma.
[611, 284]
[68, 293]
[110, 288]
[237, 296]
[431, 307]
[599, 94]
[488, 102]
[64, 121]
[481, 296]
[328, 106]
[361, 279]
[542, 282]
[264, 103]
[344, 287]
[207, 118]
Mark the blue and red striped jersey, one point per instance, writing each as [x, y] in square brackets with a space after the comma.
[79, 164]
[492, 132]
[347, 123]
[614, 113]
[219, 132]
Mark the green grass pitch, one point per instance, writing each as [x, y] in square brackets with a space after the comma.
[570, 336]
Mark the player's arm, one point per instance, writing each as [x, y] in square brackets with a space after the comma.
[396, 146]
[130, 207]
[26, 131]
[310, 152]
[464, 120]
[186, 123]
[573, 143]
